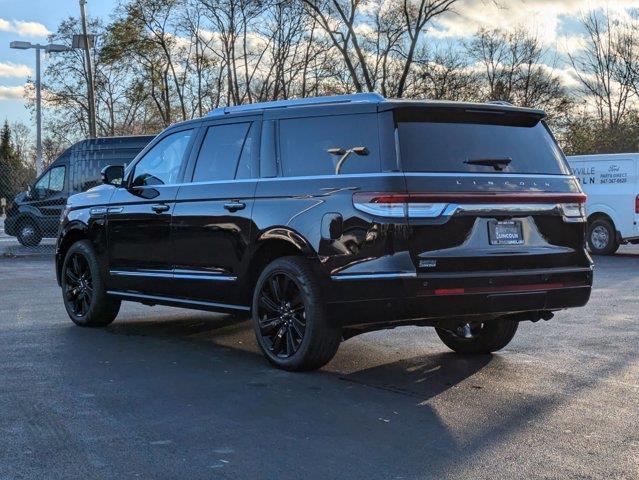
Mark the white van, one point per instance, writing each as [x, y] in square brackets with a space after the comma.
[610, 181]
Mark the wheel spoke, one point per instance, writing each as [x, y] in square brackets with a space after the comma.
[275, 289]
[296, 302]
[278, 341]
[71, 292]
[268, 304]
[75, 263]
[85, 303]
[290, 346]
[298, 327]
[268, 325]
[72, 276]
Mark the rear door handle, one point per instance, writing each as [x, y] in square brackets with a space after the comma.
[234, 206]
[161, 208]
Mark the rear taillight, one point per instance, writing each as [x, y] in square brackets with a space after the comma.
[637, 204]
[432, 205]
[397, 205]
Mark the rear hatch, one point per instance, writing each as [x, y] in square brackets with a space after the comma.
[488, 189]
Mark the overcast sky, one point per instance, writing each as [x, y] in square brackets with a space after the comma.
[554, 21]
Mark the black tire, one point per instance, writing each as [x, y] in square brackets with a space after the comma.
[83, 289]
[275, 323]
[486, 337]
[28, 233]
[602, 237]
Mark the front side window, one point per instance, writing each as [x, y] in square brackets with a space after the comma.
[51, 182]
[161, 165]
[310, 146]
[220, 153]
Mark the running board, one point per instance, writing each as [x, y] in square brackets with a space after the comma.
[177, 302]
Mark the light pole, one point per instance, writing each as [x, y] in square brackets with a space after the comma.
[90, 84]
[49, 48]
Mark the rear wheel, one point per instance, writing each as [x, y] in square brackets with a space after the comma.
[289, 320]
[83, 290]
[477, 338]
[28, 233]
[602, 238]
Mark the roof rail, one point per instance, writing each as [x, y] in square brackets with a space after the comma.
[299, 102]
[501, 102]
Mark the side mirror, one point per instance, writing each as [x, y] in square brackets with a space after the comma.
[112, 175]
[29, 192]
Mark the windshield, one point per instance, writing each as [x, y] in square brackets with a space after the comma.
[479, 147]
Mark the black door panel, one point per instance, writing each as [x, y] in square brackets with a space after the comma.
[139, 238]
[209, 241]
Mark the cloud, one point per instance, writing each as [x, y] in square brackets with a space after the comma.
[541, 17]
[11, 93]
[14, 70]
[23, 28]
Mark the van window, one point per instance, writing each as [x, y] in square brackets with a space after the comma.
[219, 156]
[161, 164]
[51, 182]
[305, 144]
[461, 147]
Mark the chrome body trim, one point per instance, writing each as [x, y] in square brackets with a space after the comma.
[346, 277]
[175, 275]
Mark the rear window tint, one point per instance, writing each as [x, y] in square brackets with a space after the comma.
[305, 144]
[458, 147]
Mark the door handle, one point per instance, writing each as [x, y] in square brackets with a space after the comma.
[161, 208]
[234, 206]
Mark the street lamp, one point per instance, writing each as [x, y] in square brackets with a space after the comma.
[49, 48]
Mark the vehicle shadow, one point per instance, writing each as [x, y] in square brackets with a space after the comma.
[469, 423]
[423, 377]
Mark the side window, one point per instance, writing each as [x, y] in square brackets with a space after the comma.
[57, 179]
[52, 182]
[305, 144]
[42, 185]
[161, 164]
[219, 156]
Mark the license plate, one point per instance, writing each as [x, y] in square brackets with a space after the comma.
[505, 233]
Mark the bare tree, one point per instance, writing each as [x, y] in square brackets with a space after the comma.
[514, 68]
[400, 27]
[605, 78]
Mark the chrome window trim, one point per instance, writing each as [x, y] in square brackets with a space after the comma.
[369, 175]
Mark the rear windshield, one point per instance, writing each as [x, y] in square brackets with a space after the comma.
[479, 147]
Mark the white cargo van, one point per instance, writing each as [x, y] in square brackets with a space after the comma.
[610, 181]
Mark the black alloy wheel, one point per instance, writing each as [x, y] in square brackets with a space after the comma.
[289, 315]
[83, 290]
[78, 285]
[282, 315]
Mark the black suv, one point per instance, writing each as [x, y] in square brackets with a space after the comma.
[328, 217]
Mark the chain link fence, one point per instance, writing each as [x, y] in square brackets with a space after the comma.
[30, 206]
[29, 210]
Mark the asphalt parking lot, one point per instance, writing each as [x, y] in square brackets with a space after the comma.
[170, 393]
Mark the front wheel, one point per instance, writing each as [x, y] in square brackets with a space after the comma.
[477, 338]
[28, 233]
[83, 290]
[289, 319]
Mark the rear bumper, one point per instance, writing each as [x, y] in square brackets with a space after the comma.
[389, 298]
